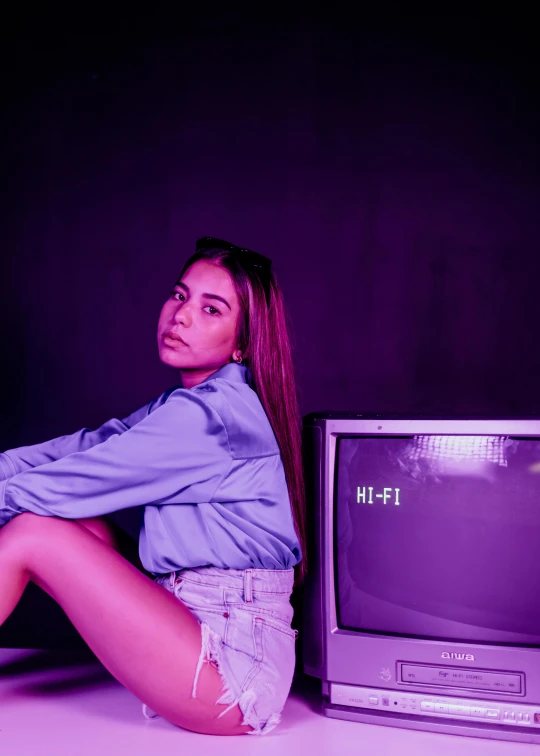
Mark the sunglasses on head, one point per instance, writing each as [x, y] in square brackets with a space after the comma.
[253, 258]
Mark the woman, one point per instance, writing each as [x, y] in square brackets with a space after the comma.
[201, 632]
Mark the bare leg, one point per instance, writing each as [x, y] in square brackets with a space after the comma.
[144, 636]
[117, 539]
[103, 528]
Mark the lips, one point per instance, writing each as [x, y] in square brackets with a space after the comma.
[175, 337]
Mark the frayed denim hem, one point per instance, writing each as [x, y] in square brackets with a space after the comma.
[211, 654]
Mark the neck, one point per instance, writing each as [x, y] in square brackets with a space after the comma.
[193, 377]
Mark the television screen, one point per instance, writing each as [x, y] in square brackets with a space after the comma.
[439, 537]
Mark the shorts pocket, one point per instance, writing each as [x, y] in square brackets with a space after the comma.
[201, 600]
[241, 632]
[266, 647]
[249, 633]
[280, 627]
[263, 605]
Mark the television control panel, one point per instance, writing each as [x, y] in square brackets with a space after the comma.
[458, 677]
[446, 707]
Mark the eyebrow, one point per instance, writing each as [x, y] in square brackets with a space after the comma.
[208, 296]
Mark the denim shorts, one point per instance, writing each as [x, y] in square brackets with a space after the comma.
[245, 618]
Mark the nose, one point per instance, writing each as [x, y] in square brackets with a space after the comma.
[183, 314]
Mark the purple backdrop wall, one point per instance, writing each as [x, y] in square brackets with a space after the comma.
[389, 169]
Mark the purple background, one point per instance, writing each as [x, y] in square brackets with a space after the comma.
[389, 167]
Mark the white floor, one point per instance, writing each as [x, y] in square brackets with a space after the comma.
[59, 704]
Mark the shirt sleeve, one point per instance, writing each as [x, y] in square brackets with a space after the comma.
[178, 454]
[14, 461]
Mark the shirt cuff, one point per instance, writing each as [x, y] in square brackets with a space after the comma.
[5, 514]
[6, 467]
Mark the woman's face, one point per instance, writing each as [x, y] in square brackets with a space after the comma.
[201, 316]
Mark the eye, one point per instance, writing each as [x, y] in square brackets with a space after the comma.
[211, 307]
[174, 293]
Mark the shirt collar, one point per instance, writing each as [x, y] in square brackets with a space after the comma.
[232, 372]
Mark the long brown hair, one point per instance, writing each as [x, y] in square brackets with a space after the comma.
[264, 340]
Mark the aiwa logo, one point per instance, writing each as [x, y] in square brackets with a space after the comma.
[461, 657]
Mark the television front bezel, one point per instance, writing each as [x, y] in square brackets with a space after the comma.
[380, 652]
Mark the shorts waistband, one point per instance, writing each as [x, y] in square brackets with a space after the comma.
[267, 581]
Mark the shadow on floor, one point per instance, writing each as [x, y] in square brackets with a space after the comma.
[42, 660]
[69, 671]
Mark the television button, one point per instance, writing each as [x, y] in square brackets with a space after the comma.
[478, 711]
[427, 706]
[441, 708]
[526, 717]
[385, 701]
[462, 711]
[373, 700]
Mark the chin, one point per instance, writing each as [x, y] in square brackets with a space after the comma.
[171, 360]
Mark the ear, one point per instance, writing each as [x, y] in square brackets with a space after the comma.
[237, 355]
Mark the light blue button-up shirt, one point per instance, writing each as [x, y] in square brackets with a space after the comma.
[203, 462]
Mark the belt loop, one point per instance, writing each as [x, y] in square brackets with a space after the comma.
[248, 594]
[171, 580]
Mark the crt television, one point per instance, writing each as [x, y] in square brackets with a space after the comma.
[422, 601]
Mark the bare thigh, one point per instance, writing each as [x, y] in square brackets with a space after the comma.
[144, 636]
[115, 536]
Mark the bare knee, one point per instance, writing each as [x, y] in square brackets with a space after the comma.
[22, 524]
[28, 527]
[23, 533]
